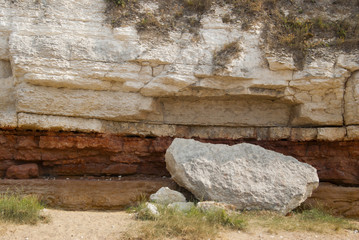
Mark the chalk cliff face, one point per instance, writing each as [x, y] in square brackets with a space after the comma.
[109, 100]
[63, 67]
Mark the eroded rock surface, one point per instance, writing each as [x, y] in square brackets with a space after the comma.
[23, 171]
[63, 67]
[338, 199]
[244, 175]
[93, 154]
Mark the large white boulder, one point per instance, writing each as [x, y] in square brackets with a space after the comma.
[245, 175]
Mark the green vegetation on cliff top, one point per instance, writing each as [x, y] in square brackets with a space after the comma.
[290, 25]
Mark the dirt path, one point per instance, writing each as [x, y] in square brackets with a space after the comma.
[71, 225]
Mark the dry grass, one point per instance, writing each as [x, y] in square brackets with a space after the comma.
[149, 21]
[20, 209]
[311, 220]
[199, 6]
[225, 55]
[197, 224]
[302, 28]
[194, 224]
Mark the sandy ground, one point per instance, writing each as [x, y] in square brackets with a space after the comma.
[71, 225]
[114, 225]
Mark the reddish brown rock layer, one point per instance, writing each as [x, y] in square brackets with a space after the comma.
[336, 162]
[78, 154]
[23, 171]
[341, 200]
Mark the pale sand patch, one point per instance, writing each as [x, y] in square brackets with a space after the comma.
[71, 225]
[114, 225]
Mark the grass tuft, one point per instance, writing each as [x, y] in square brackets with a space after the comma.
[149, 21]
[197, 224]
[225, 55]
[194, 224]
[293, 26]
[20, 209]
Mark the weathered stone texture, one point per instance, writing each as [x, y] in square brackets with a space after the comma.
[352, 100]
[338, 199]
[226, 112]
[336, 162]
[78, 103]
[23, 171]
[66, 69]
[71, 154]
[78, 154]
[245, 175]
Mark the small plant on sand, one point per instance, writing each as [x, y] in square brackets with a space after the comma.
[20, 209]
[193, 224]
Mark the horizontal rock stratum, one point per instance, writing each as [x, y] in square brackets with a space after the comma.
[245, 175]
[64, 67]
[87, 90]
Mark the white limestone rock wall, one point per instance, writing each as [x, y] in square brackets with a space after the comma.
[60, 60]
[352, 100]
[8, 117]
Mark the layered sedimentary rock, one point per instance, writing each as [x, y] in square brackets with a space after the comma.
[340, 200]
[85, 154]
[64, 66]
[104, 101]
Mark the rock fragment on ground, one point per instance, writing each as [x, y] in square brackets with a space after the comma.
[151, 209]
[166, 196]
[245, 175]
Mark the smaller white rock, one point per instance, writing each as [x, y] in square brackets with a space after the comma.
[152, 209]
[167, 196]
[182, 206]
